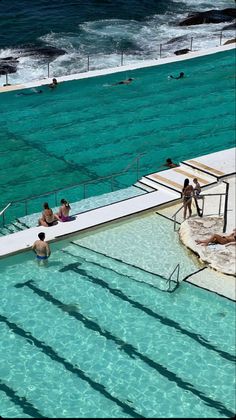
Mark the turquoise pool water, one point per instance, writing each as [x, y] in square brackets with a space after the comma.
[91, 336]
[87, 129]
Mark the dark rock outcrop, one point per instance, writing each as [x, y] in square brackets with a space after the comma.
[230, 41]
[183, 51]
[47, 52]
[210, 16]
[8, 65]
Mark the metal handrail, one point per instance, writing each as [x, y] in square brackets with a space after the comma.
[226, 205]
[175, 214]
[159, 52]
[2, 212]
[84, 183]
[202, 196]
[177, 268]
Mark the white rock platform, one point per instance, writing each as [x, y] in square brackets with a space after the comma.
[218, 257]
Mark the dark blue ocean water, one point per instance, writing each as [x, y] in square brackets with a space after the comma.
[100, 29]
[26, 21]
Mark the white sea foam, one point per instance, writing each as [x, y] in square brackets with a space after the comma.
[104, 40]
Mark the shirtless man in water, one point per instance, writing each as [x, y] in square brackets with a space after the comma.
[219, 239]
[41, 248]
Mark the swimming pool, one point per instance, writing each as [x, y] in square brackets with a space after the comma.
[87, 129]
[90, 336]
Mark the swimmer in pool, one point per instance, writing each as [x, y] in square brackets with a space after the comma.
[181, 75]
[33, 92]
[41, 248]
[124, 82]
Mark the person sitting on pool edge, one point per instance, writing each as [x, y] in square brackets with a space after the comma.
[218, 239]
[48, 218]
[41, 248]
[63, 213]
[181, 75]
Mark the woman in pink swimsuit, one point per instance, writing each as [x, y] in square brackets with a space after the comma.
[63, 213]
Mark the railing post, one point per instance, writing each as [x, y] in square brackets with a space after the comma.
[226, 206]
[48, 69]
[220, 205]
[203, 203]
[191, 43]
[112, 183]
[88, 63]
[160, 50]
[138, 168]
[122, 58]
[221, 36]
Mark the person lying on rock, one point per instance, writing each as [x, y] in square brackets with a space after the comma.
[219, 239]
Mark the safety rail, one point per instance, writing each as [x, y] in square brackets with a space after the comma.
[158, 53]
[169, 280]
[201, 211]
[110, 178]
[2, 212]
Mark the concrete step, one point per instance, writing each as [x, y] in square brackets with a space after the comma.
[13, 227]
[144, 186]
[174, 178]
[158, 186]
[218, 164]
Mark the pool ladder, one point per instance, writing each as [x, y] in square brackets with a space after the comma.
[177, 282]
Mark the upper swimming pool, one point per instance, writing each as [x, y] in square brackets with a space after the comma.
[86, 129]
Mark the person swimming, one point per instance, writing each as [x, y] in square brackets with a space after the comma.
[124, 82]
[53, 84]
[169, 163]
[33, 92]
[181, 75]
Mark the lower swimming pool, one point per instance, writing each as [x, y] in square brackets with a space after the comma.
[90, 336]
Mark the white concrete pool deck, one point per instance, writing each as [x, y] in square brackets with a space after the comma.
[166, 195]
[124, 68]
[21, 241]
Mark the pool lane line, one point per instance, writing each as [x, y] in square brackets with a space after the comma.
[50, 352]
[22, 402]
[116, 272]
[129, 349]
[119, 260]
[166, 321]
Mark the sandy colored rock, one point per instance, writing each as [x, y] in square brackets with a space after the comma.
[219, 257]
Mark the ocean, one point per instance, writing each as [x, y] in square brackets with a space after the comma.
[65, 32]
